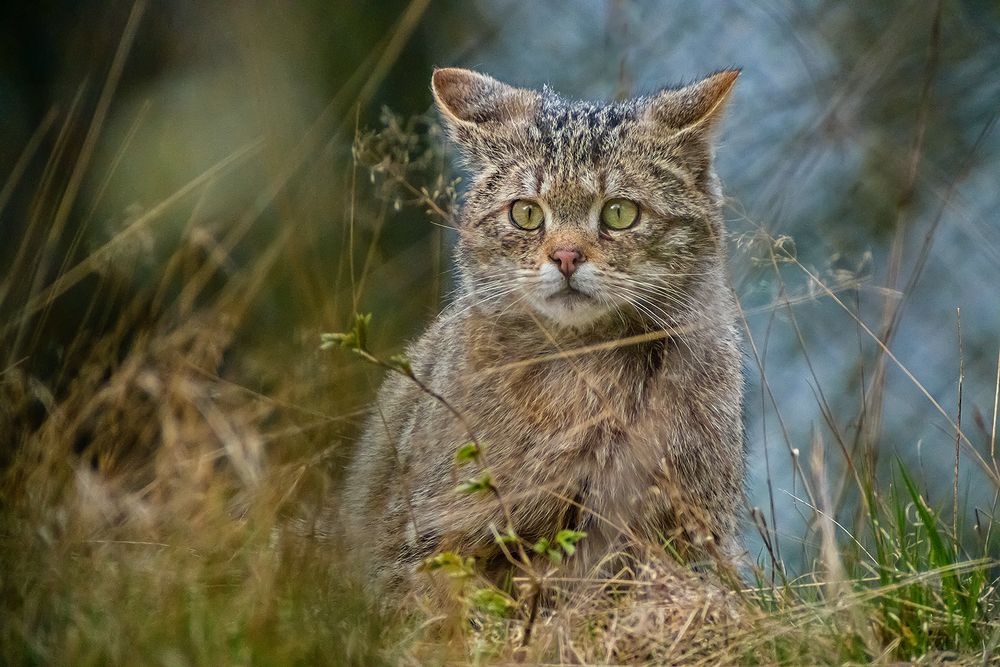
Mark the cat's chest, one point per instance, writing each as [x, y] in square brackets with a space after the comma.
[582, 404]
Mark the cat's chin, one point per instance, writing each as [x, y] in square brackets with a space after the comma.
[571, 309]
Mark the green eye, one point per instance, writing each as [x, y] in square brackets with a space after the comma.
[619, 213]
[526, 214]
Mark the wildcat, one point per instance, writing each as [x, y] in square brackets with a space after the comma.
[592, 351]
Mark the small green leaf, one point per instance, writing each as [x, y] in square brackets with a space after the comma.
[467, 452]
[545, 546]
[450, 563]
[564, 542]
[355, 339]
[567, 539]
[492, 601]
[328, 340]
[360, 331]
[401, 363]
[481, 484]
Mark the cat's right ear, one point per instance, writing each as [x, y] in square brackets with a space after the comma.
[470, 98]
[477, 108]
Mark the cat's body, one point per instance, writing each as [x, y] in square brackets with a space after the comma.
[598, 366]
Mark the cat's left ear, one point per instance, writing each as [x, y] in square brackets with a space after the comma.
[695, 108]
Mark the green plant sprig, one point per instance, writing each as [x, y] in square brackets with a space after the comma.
[488, 599]
[355, 340]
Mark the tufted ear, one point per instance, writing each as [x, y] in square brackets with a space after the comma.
[693, 108]
[468, 99]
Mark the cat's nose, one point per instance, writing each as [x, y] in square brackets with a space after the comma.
[568, 259]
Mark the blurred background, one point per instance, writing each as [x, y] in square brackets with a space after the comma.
[271, 168]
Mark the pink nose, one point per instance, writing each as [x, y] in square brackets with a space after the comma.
[568, 259]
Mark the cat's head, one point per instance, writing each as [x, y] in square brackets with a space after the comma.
[585, 212]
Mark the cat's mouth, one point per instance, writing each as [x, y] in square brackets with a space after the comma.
[569, 294]
[571, 306]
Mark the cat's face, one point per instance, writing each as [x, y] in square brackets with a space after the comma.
[584, 212]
